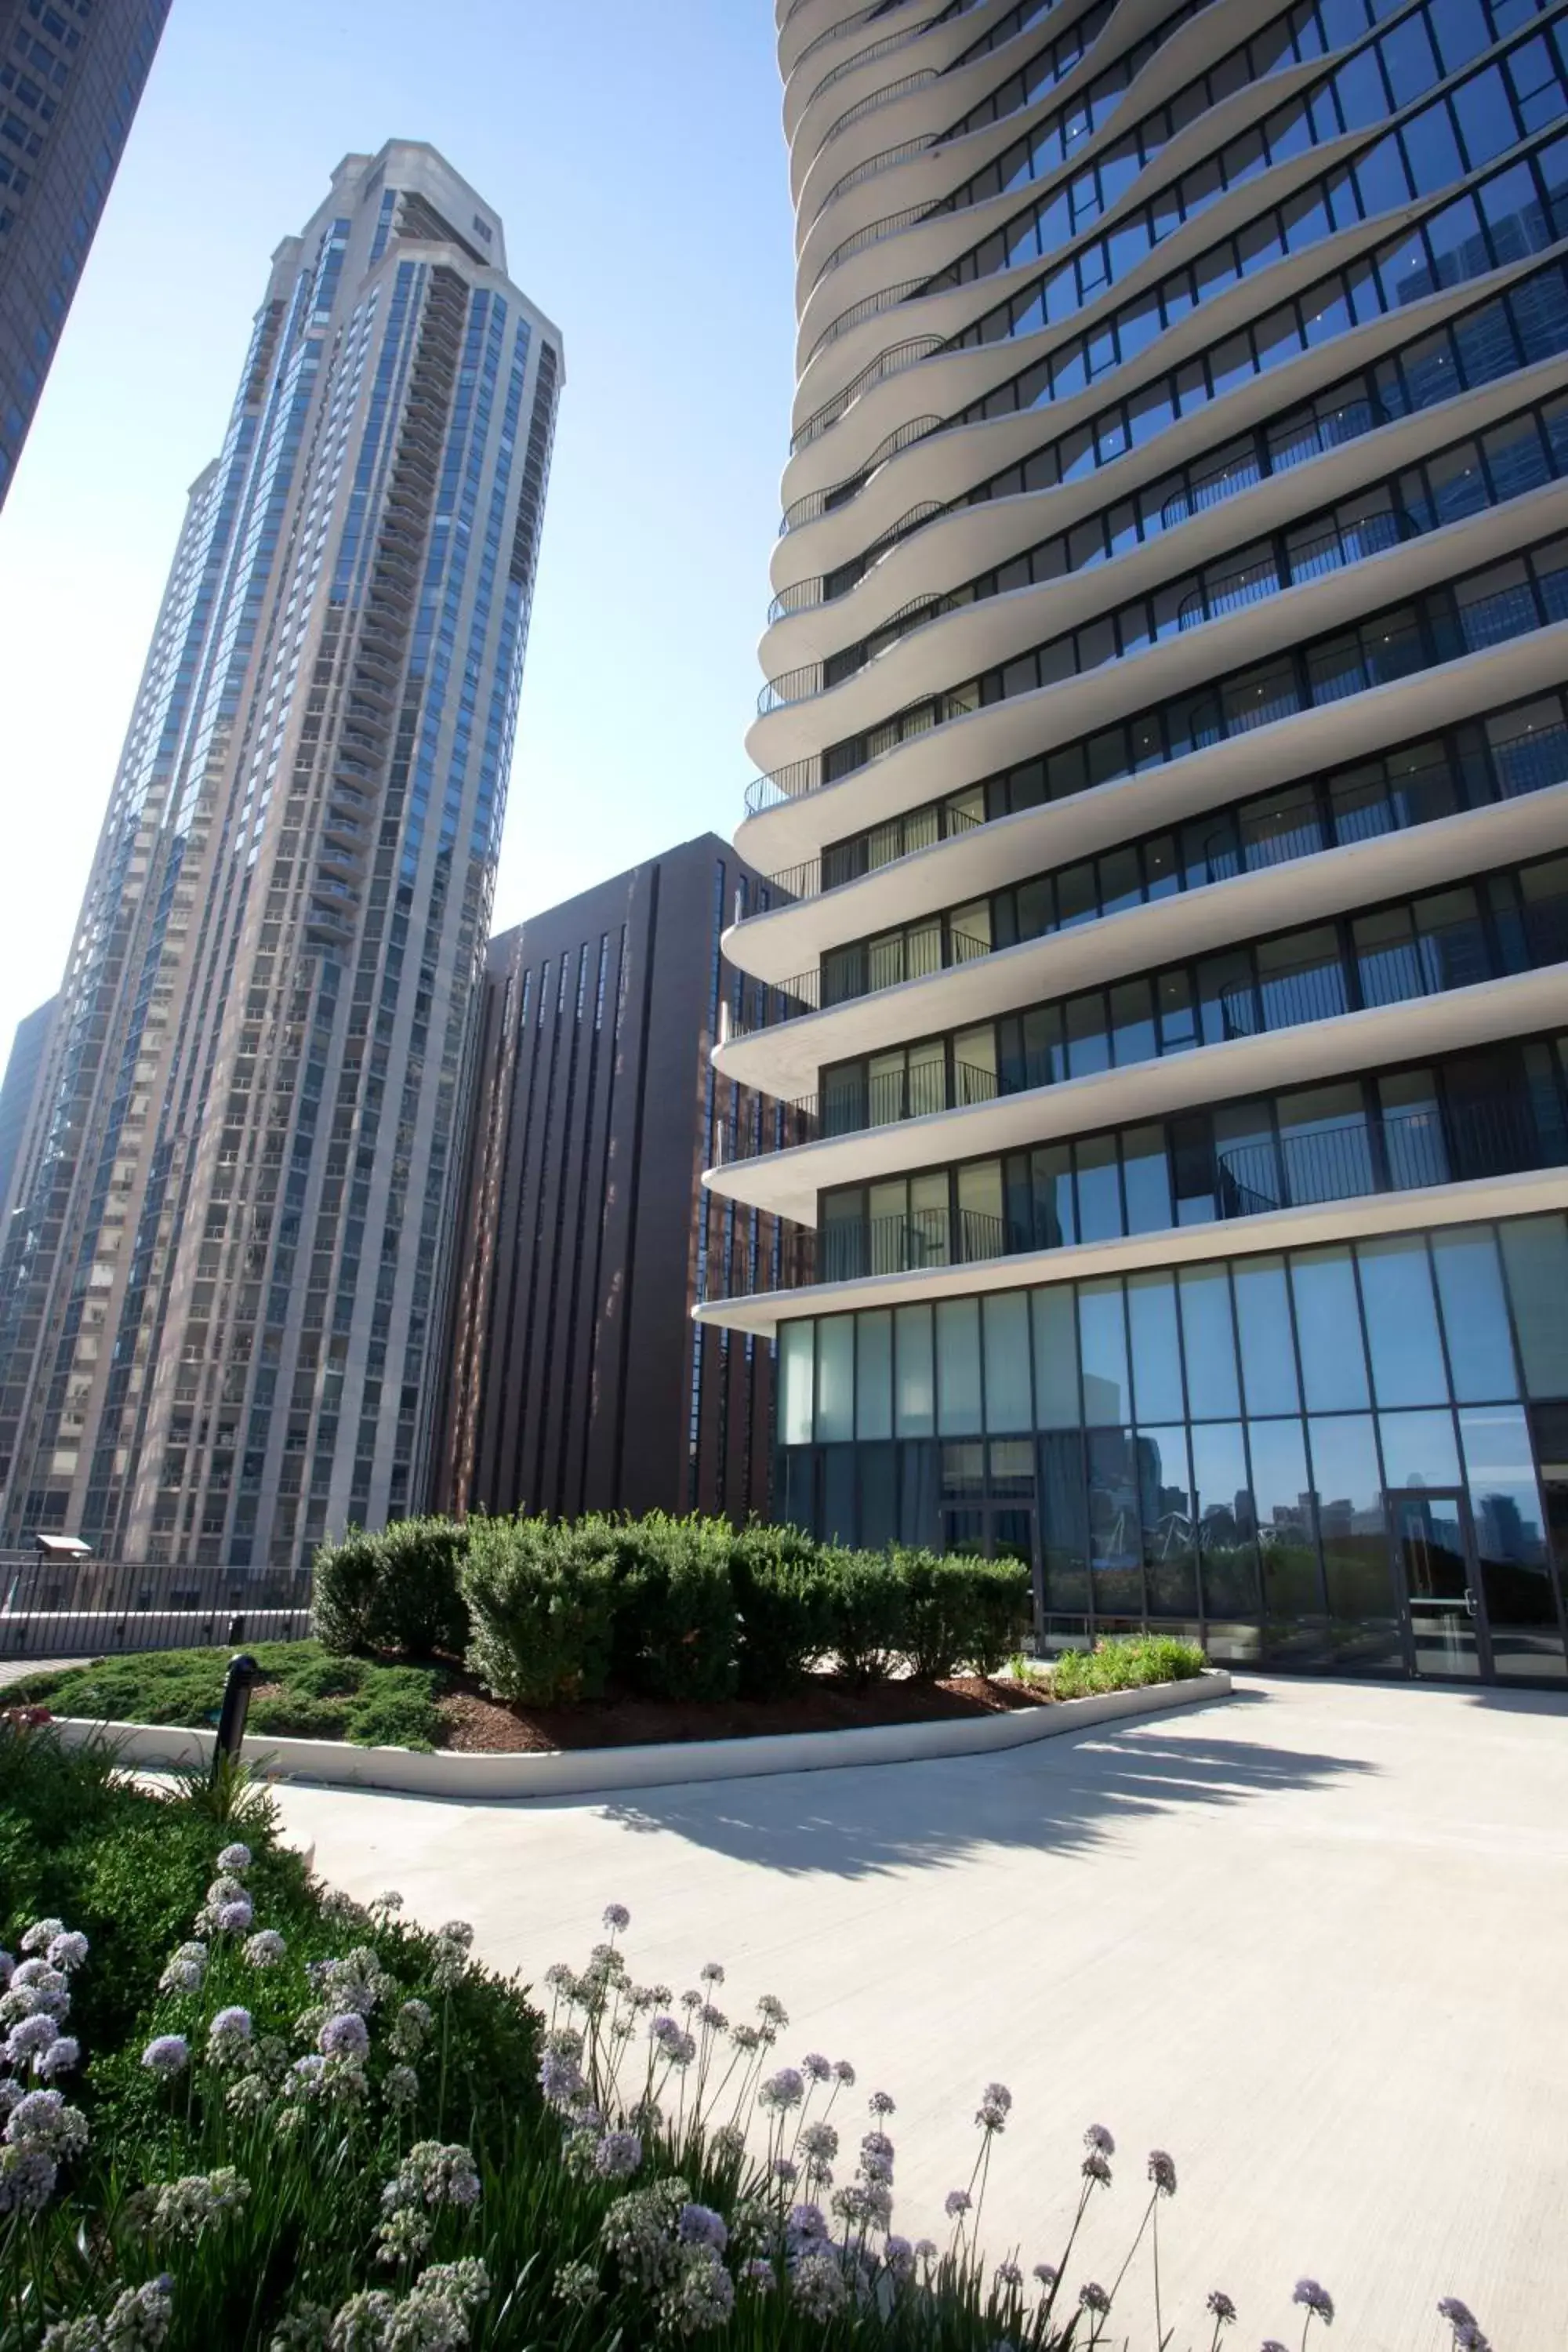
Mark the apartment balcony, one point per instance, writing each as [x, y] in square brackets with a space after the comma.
[1436, 1163]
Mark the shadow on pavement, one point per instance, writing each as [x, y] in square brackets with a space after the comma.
[1064, 1797]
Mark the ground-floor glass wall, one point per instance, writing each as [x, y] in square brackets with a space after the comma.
[1353, 1456]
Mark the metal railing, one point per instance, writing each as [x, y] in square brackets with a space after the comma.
[817, 503]
[896, 360]
[895, 90]
[870, 306]
[807, 593]
[858, 972]
[103, 1609]
[805, 880]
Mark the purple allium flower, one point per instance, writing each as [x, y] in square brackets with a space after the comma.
[784, 2089]
[234, 1859]
[618, 1918]
[67, 1950]
[1095, 2167]
[1094, 2297]
[843, 2073]
[925, 2249]
[559, 2078]
[1162, 2172]
[41, 2123]
[1099, 2140]
[230, 2031]
[956, 2204]
[817, 2283]
[29, 2037]
[699, 2225]
[1222, 2308]
[1457, 2313]
[713, 1972]
[1273, 2345]
[345, 2036]
[1008, 2274]
[618, 2154]
[42, 1933]
[820, 2141]
[674, 2043]
[879, 2104]
[815, 2067]
[168, 2054]
[1046, 2273]
[758, 2273]
[806, 2224]
[900, 2257]
[63, 2052]
[772, 2012]
[1315, 2299]
[1467, 2337]
[265, 1948]
[786, 2170]
[234, 1917]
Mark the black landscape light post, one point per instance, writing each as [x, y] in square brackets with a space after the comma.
[243, 1675]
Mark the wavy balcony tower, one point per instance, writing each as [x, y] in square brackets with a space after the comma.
[1164, 789]
[224, 1277]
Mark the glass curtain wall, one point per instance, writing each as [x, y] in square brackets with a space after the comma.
[1269, 1452]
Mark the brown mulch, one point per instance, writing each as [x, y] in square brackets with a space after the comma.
[480, 1724]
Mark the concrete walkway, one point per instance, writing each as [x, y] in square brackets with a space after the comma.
[1314, 1942]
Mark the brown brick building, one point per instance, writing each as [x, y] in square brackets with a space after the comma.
[578, 1381]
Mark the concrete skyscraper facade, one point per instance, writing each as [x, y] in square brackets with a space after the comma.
[1167, 762]
[223, 1287]
[71, 77]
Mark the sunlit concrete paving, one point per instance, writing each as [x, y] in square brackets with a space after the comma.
[1312, 1941]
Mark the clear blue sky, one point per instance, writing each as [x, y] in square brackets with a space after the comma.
[635, 155]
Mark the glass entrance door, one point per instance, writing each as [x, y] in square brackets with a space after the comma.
[1435, 1549]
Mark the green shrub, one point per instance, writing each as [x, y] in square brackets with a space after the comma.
[784, 1603]
[675, 1608]
[1129, 1663]
[398, 1591]
[306, 1693]
[961, 1611]
[869, 1614]
[542, 1609]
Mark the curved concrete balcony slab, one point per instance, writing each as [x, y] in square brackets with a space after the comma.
[965, 749]
[1536, 1193]
[785, 1061]
[790, 938]
[787, 1182]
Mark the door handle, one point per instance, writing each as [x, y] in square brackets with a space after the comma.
[1469, 1600]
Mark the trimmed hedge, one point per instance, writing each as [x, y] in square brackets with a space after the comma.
[398, 1591]
[548, 1611]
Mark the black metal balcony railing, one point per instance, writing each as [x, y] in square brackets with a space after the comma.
[1403, 1152]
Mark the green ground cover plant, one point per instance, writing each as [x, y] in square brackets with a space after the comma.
[308, 1692]
[242, 2111]
[1130, 1662]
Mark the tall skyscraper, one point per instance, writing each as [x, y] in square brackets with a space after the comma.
[19, 1094]
[71, 76]
[1167, 756]
[222, 1291]
[578, 1381]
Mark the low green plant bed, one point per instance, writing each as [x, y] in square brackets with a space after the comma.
[307, 1693]
[1130, 1662]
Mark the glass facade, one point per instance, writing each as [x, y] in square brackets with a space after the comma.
[1255, 1448]
[1164, 750]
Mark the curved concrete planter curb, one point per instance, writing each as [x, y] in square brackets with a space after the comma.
[333, 1763]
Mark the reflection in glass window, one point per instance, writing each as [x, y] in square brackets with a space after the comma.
[1418, 1449]
[1287, 1536]
[1328, 1326]
[1156, 1346]
[1009, 1403]
[916, 1394]
[1475, 1314]
[1102, 1339]
[1402, 1322]
[1351, 1518]
[1222, 1494]
[797, 1342]
[1115, 1536]
[1535, 1251]
[874, 1376]
[1208, 1341]
[958, 1366]
[1263, 1320]
[1056, 1359]
[1170, 1560]
[835, 1377]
